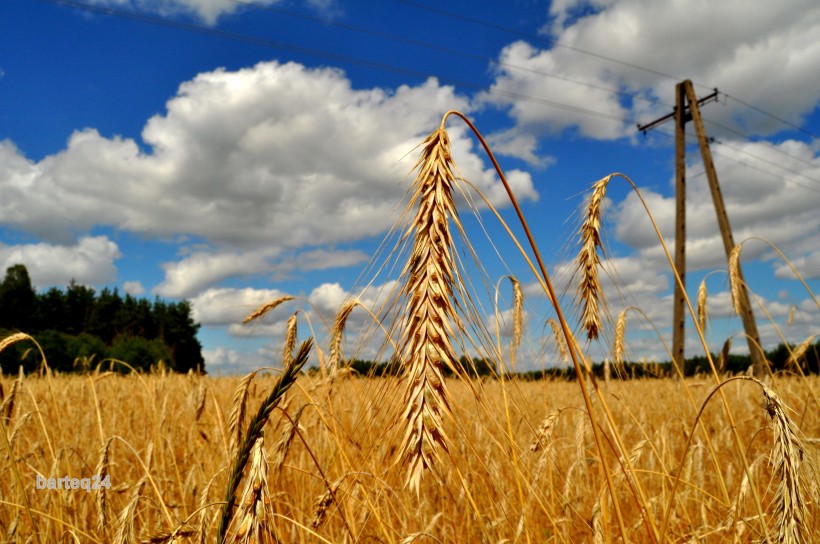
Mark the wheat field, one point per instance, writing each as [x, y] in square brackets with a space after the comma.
[525, 472]
[432, 455]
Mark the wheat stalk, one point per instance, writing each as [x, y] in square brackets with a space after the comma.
[102, 498]
[262, 310]
[799, 352]
[787, 457]
[126, 530]
[429, 310]
[254, 431]
[290, 340]
[589, 288]
[336, 334]
[620, 333]
[286, 436]
[560, 340]
[237, 417]
[518, 318]
[7, 406]
[253, 519]
[702, 314]
[544, 432]
[323, 502]
[734, 278]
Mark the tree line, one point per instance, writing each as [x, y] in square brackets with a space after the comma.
[78, 328]
[779, 360]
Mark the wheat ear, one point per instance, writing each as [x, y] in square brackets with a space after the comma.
[102, 498]
[336, 334]
[790, 319]
[734, 278]
[254, 431]
[620, 333]
[702, 313]
[787, 456]
[290, 340]
[237, 418]
[560, 340]
[518, 318]
[252, 522]
[7, 406]
[589, 289]
[126, 530]
[799, 352]
[262, 310]
[429, 310]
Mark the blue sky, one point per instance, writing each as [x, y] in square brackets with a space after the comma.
[228, 152]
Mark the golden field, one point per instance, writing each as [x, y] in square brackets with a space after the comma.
[168, 443]
[331, 456]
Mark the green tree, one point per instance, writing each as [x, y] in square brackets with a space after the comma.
[17, 299]
[139, 352]
[79, 304]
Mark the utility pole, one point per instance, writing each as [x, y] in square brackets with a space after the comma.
[687, 108]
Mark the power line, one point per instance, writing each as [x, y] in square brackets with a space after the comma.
[772, 174]
[273, 44]
[556, 43]
[439, 48]
[531, 36]
[747, 137]
[144, 18]
[772, 116]
[761, 159]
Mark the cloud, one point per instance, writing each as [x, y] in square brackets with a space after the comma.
[202, 269]
[274, 156]
[208, 11]
[228, 305]
[199, 270]
[766, 61]
[808, 266]
[782, 209]
[89, 261]
[133, 288]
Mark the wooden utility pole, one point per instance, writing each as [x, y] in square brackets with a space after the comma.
[678, 317]
[687, 108]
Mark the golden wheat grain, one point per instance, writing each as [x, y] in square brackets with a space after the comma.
[237, 418]
[544, 432]
[252, 522]
[11, 339]
[734, 278]
[126, 529]
[254, 432]
[7, 407]
[429, 312]
[256, 314]
[290, 340]
[102, 496]
[589, 289]
[799, 352]
[792, 310]
[702, 315]
[620, 333]
[787, 457]
[286, 436]
[560, 340]
[724, 355]
[518, 311]
[199, 400]
[336, 334]
[178, 535]
[323, 502]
